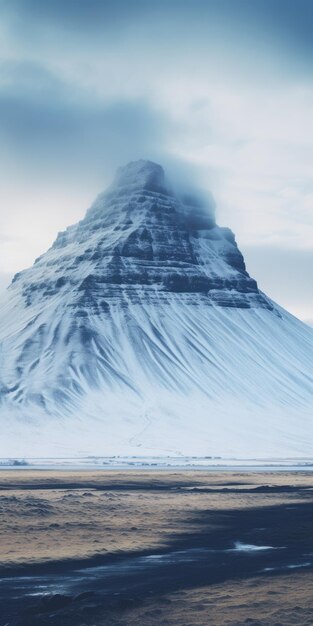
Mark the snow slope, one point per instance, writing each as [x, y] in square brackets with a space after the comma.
[141, 332]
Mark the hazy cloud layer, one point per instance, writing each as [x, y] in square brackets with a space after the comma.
[285, 275]
[223, 89]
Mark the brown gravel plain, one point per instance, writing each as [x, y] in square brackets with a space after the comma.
[50, 517]
[68, 515]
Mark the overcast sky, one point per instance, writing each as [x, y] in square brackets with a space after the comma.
[219, 89]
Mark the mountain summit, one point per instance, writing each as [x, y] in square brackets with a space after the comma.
[141, 331]
[139, 242]
[141, 175]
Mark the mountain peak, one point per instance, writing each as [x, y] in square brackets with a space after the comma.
[141, 174]
[140, 331]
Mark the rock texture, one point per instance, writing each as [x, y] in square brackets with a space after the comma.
[139, 242]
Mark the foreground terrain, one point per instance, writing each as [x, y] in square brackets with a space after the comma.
[150, 548]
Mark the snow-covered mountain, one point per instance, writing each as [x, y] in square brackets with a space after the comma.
[141, 332]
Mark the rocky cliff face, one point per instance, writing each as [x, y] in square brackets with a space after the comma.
[141, 242]
[141, 330]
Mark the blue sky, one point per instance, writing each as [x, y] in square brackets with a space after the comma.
[218, 90]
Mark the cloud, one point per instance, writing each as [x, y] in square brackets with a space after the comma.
[285, 274]
[53, 128]
[288, 23]
[83, 15]
[188, 26]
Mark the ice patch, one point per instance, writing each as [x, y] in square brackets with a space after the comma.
[247, 547]
[284, 567]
